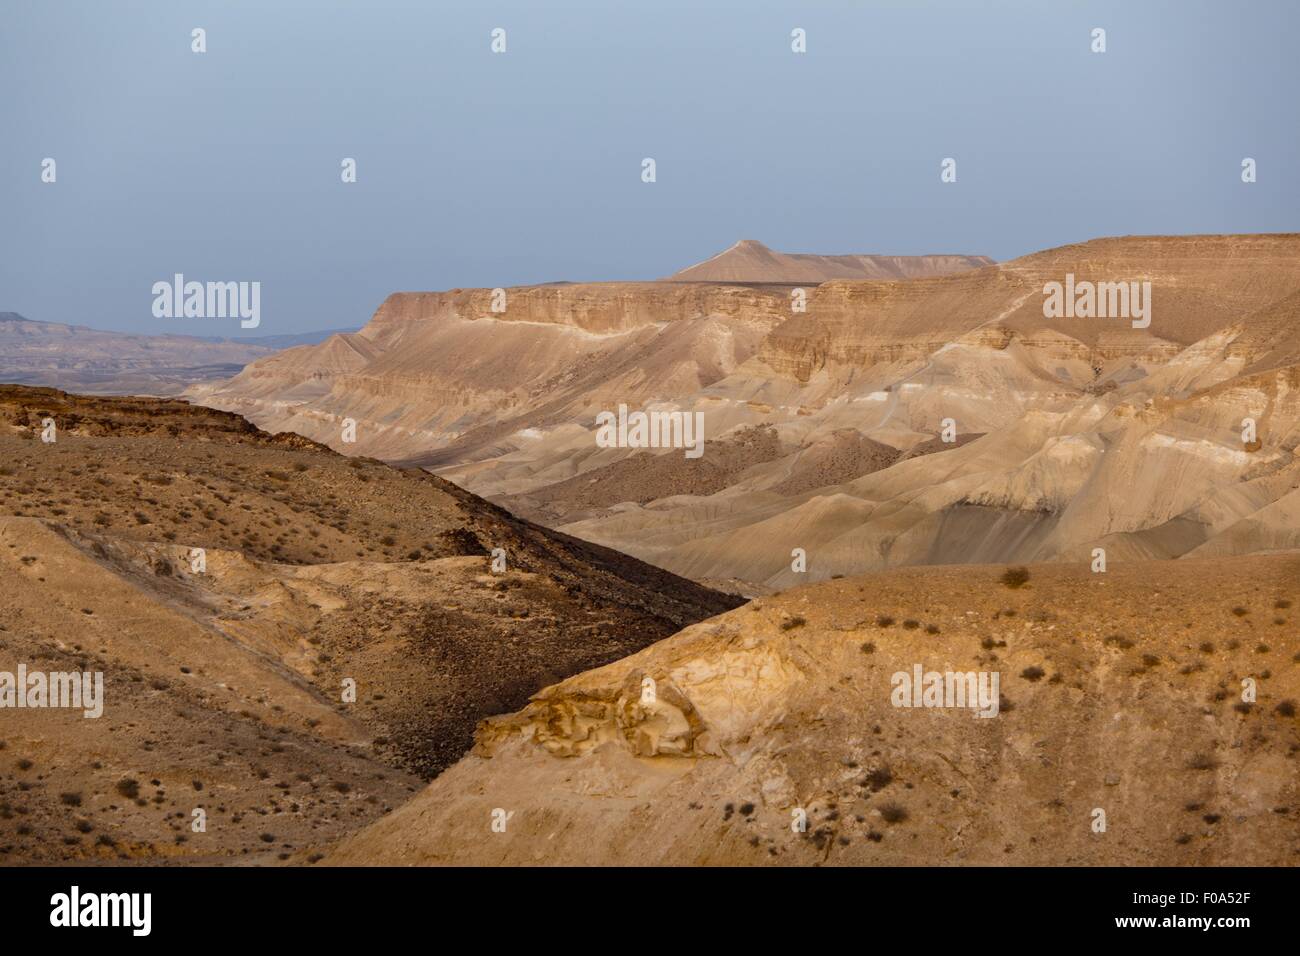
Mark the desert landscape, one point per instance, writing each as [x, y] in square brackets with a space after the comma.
[388, 599]
[822, 426]
[446, 444]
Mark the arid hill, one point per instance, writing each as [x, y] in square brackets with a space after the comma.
[1121, 736]
[1068, 434]
[229, 584]
[751, 261]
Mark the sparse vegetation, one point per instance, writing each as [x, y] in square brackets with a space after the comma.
[878, 779]
[1202, 761]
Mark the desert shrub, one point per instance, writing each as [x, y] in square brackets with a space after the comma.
[878, 779]
[1016, 577]
[893, 813]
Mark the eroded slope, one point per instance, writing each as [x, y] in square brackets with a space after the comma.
[225, 680]
[1120, 692]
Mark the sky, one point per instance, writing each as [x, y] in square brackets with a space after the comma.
[486, 169]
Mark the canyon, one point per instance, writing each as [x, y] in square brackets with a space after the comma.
[825, 426]
[511, 643]
[288, 640]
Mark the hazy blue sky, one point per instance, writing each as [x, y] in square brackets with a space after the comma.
[476, 169]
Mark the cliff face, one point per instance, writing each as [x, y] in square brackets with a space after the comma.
[432, 367]
[1071, 432]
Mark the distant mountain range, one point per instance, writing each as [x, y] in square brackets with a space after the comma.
[97, 362]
